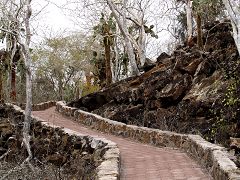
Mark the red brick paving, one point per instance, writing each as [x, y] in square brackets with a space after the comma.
[138, 161]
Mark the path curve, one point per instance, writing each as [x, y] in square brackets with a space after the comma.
[138, 161]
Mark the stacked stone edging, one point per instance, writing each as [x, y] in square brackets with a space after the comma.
[41, 106]
[109, 169]
[212, 157]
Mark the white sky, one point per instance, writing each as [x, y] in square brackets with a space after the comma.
[52, 21]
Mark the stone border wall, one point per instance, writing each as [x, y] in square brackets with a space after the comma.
[210, 156]
[41, 106]
[109, 169]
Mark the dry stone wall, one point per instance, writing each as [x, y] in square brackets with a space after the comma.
[64, 143]
[213, 157]
[40, 106]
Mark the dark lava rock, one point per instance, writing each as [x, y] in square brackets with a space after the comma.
[179, 93]
[90, 102]
[162, 57]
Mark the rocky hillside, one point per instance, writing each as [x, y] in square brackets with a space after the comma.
[56, 153]
[189, 91]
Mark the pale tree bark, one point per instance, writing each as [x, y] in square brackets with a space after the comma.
[233, 9]
[116, 66]
[22, 18]
[122, 24]
[78, 90]
[27, 59]
[189, 21]
[140, 45]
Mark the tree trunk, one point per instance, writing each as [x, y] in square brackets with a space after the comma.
[28, 111]
[114, 63]
[137, 58]
[123, 28]
[1, 84]
[108, 64]
[60, 89]
[116, 66]
[77, 94]
[233, 8]
[107, 46]
[142, 44]
[13, 94]
[131, 57]
[28, 61]
[199, 31]
[3, 56]
[28, 108]
[88, 78]
[78, 91]
[13, 50]
[189, 22]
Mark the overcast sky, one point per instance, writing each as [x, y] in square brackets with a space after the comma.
[52, 21]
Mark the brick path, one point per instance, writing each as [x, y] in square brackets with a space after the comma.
[138, 161]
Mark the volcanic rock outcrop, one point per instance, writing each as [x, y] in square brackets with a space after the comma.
[183, 92]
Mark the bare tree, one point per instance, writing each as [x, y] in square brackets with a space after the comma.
[189, 17]
[189, 20]
[27, 59]
[12, 47]
[22, 34]
[105, 29]
[128, 14]
[139, 16]
[3, 64]
[233, 9]
[122, 24]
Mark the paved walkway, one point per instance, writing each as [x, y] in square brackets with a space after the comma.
[138, 161]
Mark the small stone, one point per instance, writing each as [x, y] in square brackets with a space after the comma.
[235, 144]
